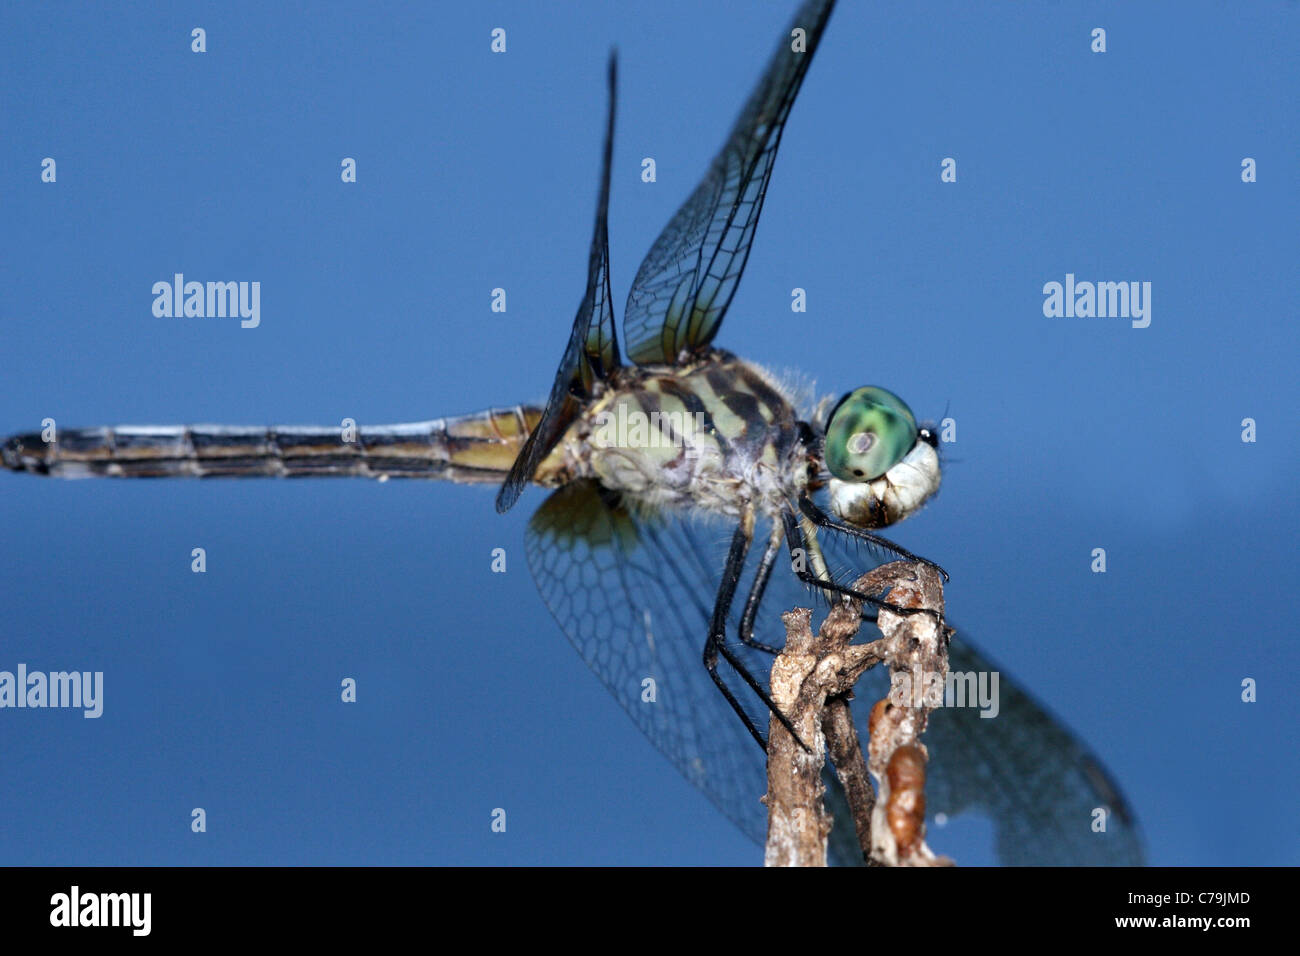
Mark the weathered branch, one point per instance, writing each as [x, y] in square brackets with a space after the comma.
[812, 682]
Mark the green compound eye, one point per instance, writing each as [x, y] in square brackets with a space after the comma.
[869, 432]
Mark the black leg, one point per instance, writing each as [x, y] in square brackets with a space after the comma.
[795, 539]
[716, 644]
[756, 591]
[823, 520]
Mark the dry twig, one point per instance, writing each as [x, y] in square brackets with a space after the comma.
[812, 682]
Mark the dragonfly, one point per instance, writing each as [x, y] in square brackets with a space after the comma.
[692, 498]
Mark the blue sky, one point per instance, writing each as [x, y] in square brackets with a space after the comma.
[477, 171]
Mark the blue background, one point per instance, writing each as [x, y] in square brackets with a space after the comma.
[479, 170]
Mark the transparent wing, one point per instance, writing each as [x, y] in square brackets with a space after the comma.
[592, 350]
[634, 596]
[1023, 770]
[682, 290]
[1031, 776]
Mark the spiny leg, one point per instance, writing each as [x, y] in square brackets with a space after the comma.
[823, 520]
[795, 538]
[716, 643]
[757, 589]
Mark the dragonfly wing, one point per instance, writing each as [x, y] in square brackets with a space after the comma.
[1023, 770]
[592, 350]
[682, 290]
[634, 595]
[1030, 775]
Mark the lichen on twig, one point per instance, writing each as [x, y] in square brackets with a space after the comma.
[812, 682]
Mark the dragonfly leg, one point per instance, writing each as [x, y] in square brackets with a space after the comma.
[795, 537]
[756, 591]
[823, 520]
[716, 644]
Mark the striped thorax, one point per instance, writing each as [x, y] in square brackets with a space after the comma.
[718, 435]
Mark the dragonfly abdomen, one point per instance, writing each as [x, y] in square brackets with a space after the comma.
[474, 448]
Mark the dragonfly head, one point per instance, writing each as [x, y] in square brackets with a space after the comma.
[883, 467]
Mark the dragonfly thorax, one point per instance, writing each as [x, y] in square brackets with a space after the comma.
[719, 435]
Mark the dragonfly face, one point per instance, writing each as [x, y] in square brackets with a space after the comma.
[883, 466]
[625, 548]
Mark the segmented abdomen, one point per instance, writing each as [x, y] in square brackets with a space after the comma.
[478, 447]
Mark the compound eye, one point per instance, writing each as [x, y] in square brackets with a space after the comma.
[860, 443]
[870, 431]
